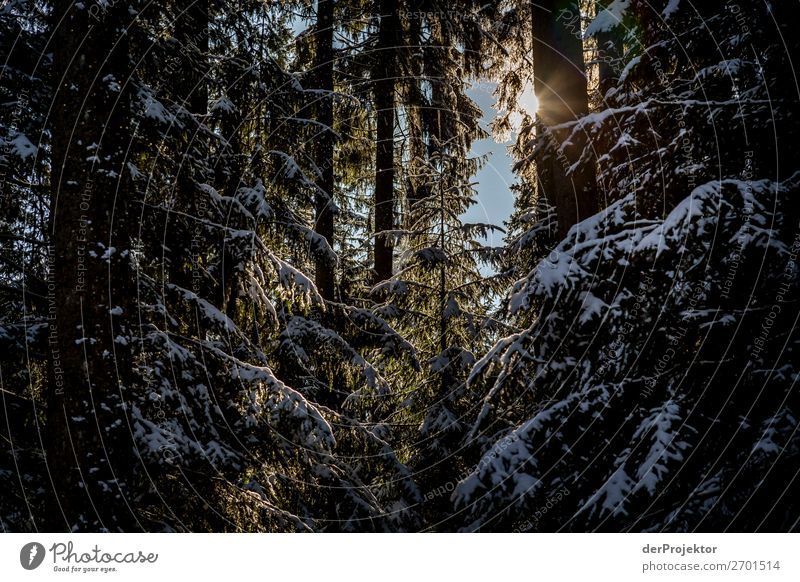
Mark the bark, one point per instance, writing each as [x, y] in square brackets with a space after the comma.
[324, 198]
[560, 85]
[609, 51]
[191, 89]
[89, 448]
[385, 74]
[191, 31]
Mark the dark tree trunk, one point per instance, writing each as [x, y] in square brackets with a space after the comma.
[89, 451]
[231, 130]
[324, 199]
[609, 51]
[385, 73]
[191, 31]
[560, 85]
[190, 88]
[416, 116]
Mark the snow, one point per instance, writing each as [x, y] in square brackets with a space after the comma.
[431, 255]
[491, 356]
[663, 426]
[613, 494]
[223, 104]
[156, 110]
[629, 67]
[285, 400]
[687, 214]
[728, 68]
[625, 141]
[592, 306]
[302, 334]
[134, 171]
[499, 467]
[548, 276]
[597, 119]
[291, 277]
[291, 169]
[173, 351]
[525, 485]
[608, 18]
[317, 243]
[255, 198]
[113, 85]
[671, 7]
[22, 147]
[218, 454]
[207, 310]
[772, 430]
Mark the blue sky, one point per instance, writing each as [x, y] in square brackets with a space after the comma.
[495, 199]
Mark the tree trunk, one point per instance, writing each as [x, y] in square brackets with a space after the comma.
[385, 73]
[609, 51]
[89, 450]
[324, 198]
[191, 89]
[560, 85]
[191, 30]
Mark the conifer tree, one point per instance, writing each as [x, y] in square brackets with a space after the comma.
[438, 294]
[240, 292]
[25, 261]
[384, 78]
[561, 88]
[89, 450]
[632, 398]
[324, 198]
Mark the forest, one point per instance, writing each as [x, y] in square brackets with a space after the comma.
[241, 291]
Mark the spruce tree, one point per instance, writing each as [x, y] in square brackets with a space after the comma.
[636, 395]
[89, 451]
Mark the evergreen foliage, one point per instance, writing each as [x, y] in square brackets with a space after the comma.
[239, 292]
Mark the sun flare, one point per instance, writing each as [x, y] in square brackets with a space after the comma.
[528, 102]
